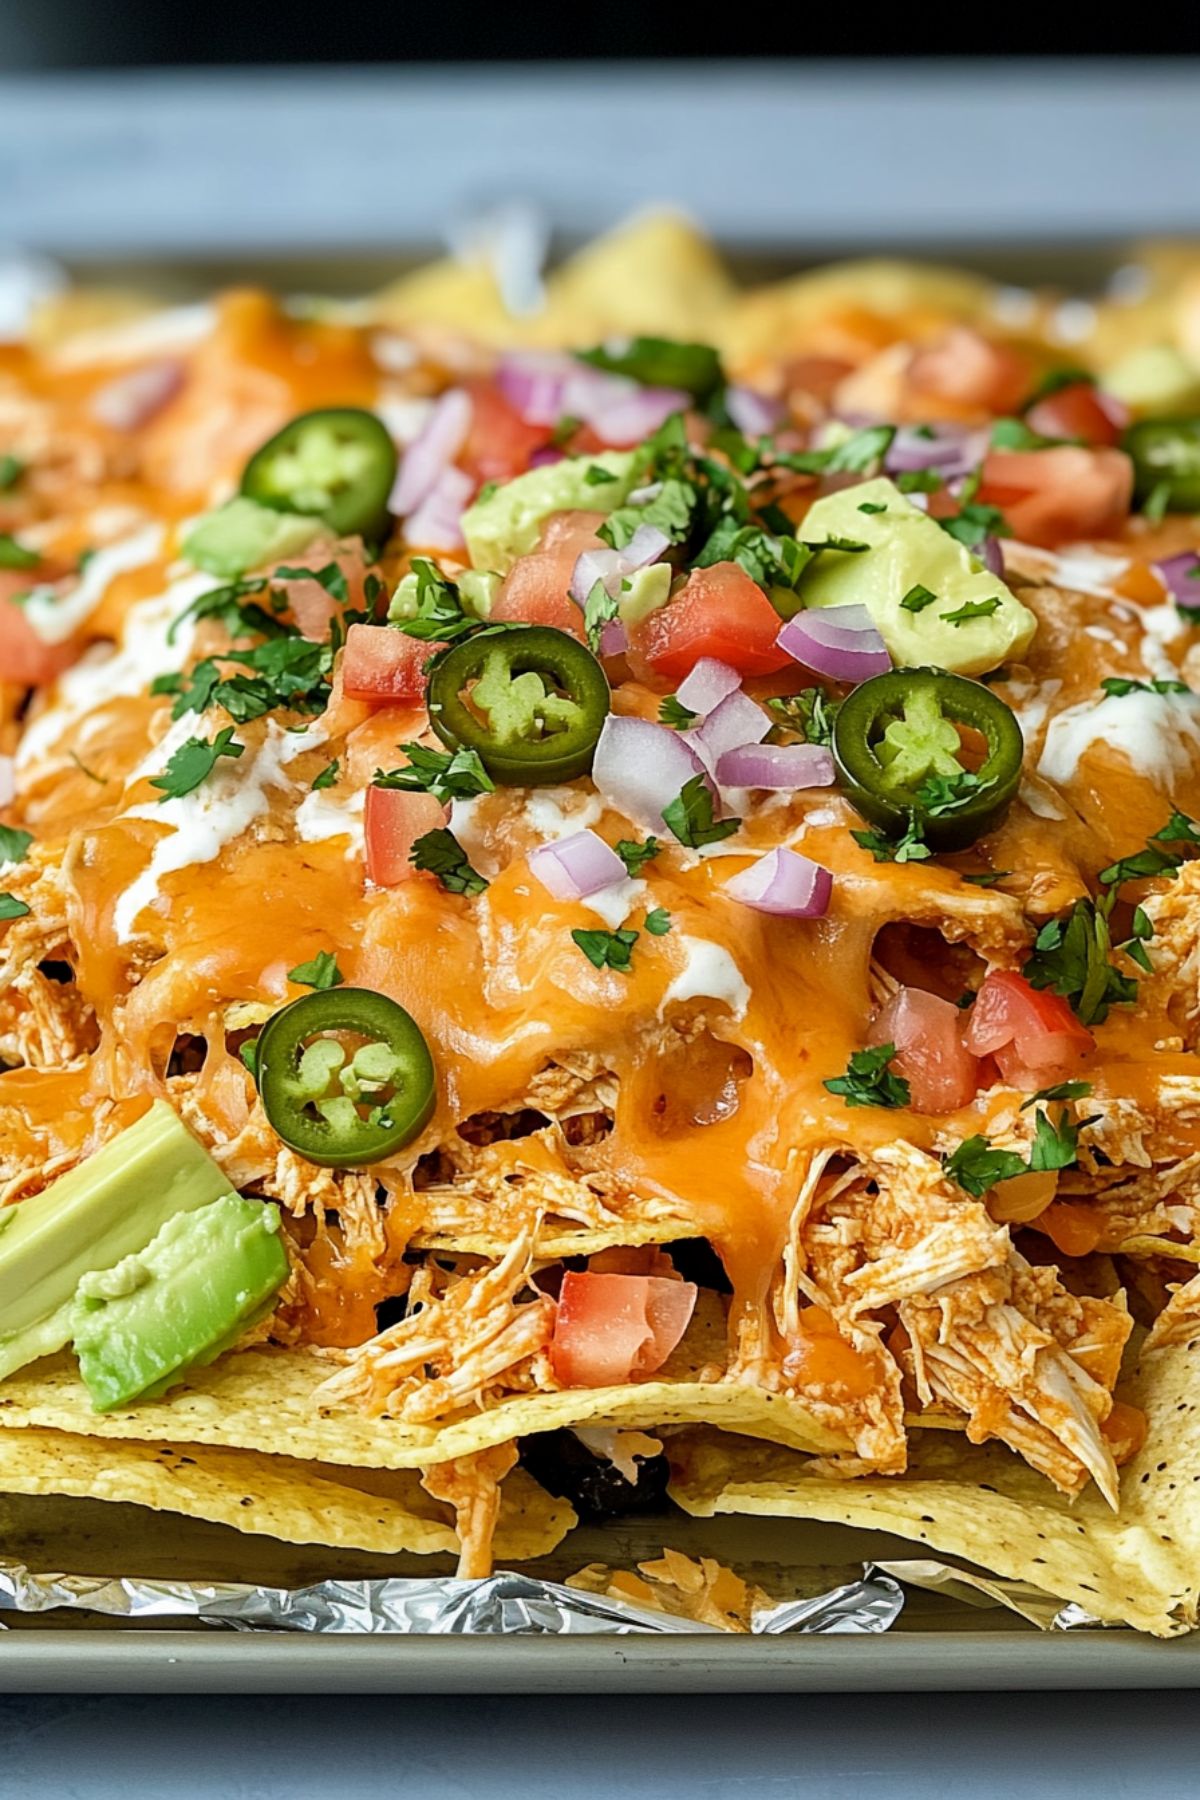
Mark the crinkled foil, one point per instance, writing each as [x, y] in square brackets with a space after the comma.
[974, 1588]
[514, 1604]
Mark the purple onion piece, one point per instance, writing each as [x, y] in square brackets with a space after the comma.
[786, 883]
[707, 685]
[437, 523]
[573, 867]
[781, 767]
[432, 450]
[639, 767]
[838, 641]
[1180, 575]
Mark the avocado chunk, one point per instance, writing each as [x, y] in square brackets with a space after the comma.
[105, 1209]
[909, 552]
[1154, 378]
[507, 523]
[174, 1306]
[242, 535]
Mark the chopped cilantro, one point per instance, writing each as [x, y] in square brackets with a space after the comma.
[672, 509]
[241, 616]
[971, 609]
[873, 506]
[16, 556]
[919, 481]
[678, 717]
[442, 855]
[284, 672]
[596, 476]
[1179, 829]
[1054, 380]
[564, 431]
[1117, 686]
[11, 471]
[770, 561]
[810, 714]
[909, 847]
[868, 1080]
[12, 908]
[1015, 434]
[1062, 1090]
[862, 452]
[939, 794]
[322, 972]
[1071, 958]
[248, 1052]
[659, 362]
[689, 817]
[1157, 502]
[193, 763]
[327, 777]
[600, 608]
[918, 598]
[635, 856]
[976, 1166]
[658, 922]
[439, 617]
[14, 844]
[457, 775]
[973, 522]
[989, 878]
[607, 949]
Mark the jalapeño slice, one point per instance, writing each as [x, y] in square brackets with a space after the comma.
[529, 700]
[336, 464]
[900, 755]
[345, 1076]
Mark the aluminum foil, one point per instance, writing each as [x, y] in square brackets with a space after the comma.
[513, 1604]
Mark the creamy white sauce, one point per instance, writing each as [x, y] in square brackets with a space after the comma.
[620, 1448]
[56, 616]
[1159, 734]
[202, 823]
[1161, 625]
[392, 353]
[104, 674]
[1031, 702]
[559, 812]
[405, 415]
[321, 815]
[709, 973]
[614, 904]
[1040, 804]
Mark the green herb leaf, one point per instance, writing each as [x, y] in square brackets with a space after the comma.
[228, 605]
[671, 509]
[1157, 503]
[868, 1080]
[689, 817]
[249, 1055]
[918, 598]
[1140, 867]
[1062, 1090]
[940, 794]
[332, 578]
[809, 714]
[596, 476]
[285, 672]
[910, 847]
[442, 855]
[14, 844]
[1179, 829]
[11, 471]
[607, 949]
[16, 556]
[1071, 958]
[659, 362]
[873, 506]
[12, 908]
[599, 609]
[1054, 380]
[1117, 686]
[919, 481]
[635, 856]
[658, 922]
[193, 763]
[457, 775]
[439, 617]
[971, 609]
[973, 522]
[327, 777]
[564, 431]
[988, 879]
[678, 717]
[1055, 1145]
[860, 453]
[321, 973]
[976, 1166]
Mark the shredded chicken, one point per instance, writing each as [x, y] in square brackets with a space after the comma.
[471, 1485]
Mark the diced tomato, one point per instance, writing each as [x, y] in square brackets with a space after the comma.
[382, 665]
[1079, 411]
[1060, 495]
[1033, 1034]
[499, 443]
[719, 612]
[611, 1328]
[312, 606]
[930, 1053]
[25, 658]
[536, 589]
[393, 822]
[970, 370]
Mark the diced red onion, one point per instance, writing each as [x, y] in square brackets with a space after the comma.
[640, 767]
[614, 639]
[735, 720]
[992, 556]
[610, 567]
[545, 386]
[707, 685]
[753, 413]
[633, 416]
[642, 496]
[951, 450]
[784, 882]
[1180, 575]
[839, 641]
[570, 868]
[532, 381]
[437, 523]
[777, 766]
[432, 450]
[132, 399]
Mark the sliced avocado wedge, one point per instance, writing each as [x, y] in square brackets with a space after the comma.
[507, 523]
[110, 1206]
[242, 535]
[191, 1293]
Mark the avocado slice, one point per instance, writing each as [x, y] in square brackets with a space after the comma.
[507, 523]
[242, 535]
[206, 1277]
[106, 1208]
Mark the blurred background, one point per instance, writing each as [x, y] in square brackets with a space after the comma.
[331, 146]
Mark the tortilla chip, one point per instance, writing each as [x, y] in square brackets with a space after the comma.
[382, 1511]
[656, 274]
[263, 1399]
[1138, 1567]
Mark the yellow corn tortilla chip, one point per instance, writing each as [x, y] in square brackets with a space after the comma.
[1138, 1567]
[383, 1511]
[265, 1399]
[556, 1240]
